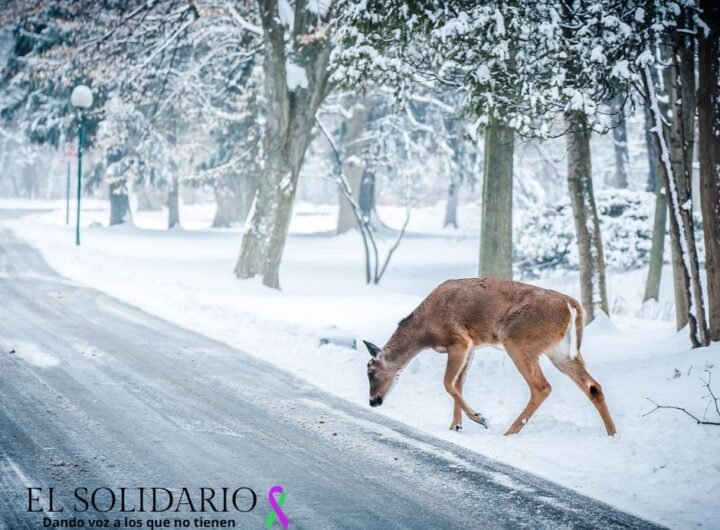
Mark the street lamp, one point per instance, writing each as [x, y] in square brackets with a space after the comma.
[81, 98]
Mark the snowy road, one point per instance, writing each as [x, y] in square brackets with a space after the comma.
[95, 393]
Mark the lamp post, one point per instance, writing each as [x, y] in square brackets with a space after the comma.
[81, 98]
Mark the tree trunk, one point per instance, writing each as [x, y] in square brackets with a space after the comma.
[292, 103]
[653, 180]
[619, 134]
[652, 286]
[496, 222]
[353, 168]
[119, 204]
[680, 209]
[709, 140]
[452, 203]
[148, 199]
[593, 292]
[654, 184]
[367, 194]
[679, 82]
[353, 164]
[233, 198]
[172, 203]
[227, 208]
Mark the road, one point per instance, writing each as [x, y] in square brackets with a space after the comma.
[97, 394]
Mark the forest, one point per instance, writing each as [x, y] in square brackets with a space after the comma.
[206, 206]
[411, 102]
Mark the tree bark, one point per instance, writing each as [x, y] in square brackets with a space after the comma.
[657, 250]
[496, 221]
[452, 203]
[172, 203]
[288, 131]
[353, 164]
[653, 180]
[593, 292]
[148, 199]
[619, 134]
[353, 168]
[679, 81]
[709, 144]
[367, 195]
[119, 204]
[654, 184]
[674, 159]
[227, 208]
[233, 199]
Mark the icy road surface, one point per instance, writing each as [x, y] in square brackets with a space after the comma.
[95, 393]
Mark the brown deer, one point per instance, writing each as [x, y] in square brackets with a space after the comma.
[461, 315]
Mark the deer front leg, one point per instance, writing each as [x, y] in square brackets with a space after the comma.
[529, 368]
[459, 357]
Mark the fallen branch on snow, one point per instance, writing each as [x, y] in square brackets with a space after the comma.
[713, 400]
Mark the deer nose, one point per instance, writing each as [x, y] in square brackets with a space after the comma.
[376, 401]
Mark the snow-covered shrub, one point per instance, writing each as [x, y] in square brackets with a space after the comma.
[545, 239]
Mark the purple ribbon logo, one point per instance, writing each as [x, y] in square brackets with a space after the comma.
[276, 506]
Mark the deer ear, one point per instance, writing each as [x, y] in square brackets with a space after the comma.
[374, 350]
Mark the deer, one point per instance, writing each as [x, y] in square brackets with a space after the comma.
[461, 315]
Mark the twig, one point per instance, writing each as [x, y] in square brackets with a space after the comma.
[698, 420]
[711, 396]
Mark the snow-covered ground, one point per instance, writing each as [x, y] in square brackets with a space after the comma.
[662, 466]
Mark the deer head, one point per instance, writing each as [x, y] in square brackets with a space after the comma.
[381, 374]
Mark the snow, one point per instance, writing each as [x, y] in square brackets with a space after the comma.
[286, 13]
[319, 7]
[661, 466]
[621, 70]
[29, 353]
[296, 76]
[597, 55]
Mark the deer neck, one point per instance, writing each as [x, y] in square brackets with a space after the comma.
[401, 348]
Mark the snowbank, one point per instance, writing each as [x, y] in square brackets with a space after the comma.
[662, 466]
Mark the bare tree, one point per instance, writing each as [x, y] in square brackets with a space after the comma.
[709, 135]
[688, 289]
[657, 249]
[587, 224]
[295, 63]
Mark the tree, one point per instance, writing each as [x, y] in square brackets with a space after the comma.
[679, 83]
[297, 46]
[587, 224]
[672, 143]
[464, 155]
[709, 136]
[530, 66]
[496, 219]
[354, 166]
[654, 184]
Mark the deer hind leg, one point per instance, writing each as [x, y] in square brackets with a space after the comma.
[456, 424]
[574, 367]
[459, 357]
[529, 368]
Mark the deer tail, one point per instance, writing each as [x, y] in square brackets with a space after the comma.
[575, 328]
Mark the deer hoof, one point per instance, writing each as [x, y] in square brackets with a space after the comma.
[479, 418]
[455, 427]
